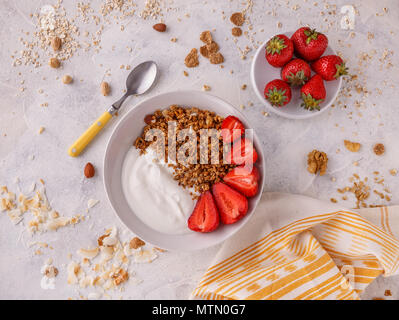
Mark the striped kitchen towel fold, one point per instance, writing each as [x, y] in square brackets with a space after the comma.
[295, 247]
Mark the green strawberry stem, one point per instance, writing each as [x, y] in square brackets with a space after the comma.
[341, 70]
[276, 97]
[297, 79]
[275, 45]
[310, 103]
[311, 35]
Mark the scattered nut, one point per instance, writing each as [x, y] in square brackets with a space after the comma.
[56, 43]
[136, 243]
[185, 73]
[160, 27]
[41, 129]
[54, 63]
[236, 32]
[105, 89]
[191, 60]
[206, 87]
[67, 79]
[317, 161]
[352, 146]
[243, 87]
[89, 170]
[379, 149]
[237, 18]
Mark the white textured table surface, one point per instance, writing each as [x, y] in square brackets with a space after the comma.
[367, 115]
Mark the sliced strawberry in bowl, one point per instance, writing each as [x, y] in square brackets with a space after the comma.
[205, 216]
[243, 180]
[232, 205]
[242, 152]
[232, 129]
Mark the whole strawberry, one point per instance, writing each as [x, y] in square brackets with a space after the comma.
[309, 44]
[330, 67]
[279, 50]
[313, 93]
[278, 93]
[296, 72]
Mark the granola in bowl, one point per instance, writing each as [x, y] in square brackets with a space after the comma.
[198, 176]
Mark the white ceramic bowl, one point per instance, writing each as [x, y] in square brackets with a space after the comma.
[131, 126]
[262, 72]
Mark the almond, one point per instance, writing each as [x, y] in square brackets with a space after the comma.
[89, 170]
[56, 43]
[352, 146]
[160, 27]
[105, 89]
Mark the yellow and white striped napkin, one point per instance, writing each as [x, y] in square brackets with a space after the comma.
[295, 247]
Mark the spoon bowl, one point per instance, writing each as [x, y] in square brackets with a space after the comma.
[141, 78]
[139, 81]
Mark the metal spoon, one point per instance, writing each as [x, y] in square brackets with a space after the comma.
[139, 81]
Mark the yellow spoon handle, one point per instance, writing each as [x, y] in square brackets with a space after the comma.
[81, 143]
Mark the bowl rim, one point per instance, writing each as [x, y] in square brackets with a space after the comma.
[277, 111]
[257, 141]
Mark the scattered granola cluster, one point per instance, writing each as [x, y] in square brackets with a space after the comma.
[210, 51]
[191, 59]
[238, 19]
[362, 190]
[197, 176]
[359, 188]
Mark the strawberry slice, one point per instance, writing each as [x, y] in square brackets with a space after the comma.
[232, 129]
[205, 217]
[242, 152]
[232, 205]
[243, 180]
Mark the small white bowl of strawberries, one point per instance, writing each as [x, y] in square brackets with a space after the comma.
[297, 75]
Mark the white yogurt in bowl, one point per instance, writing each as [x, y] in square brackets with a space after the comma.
[153, 194]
